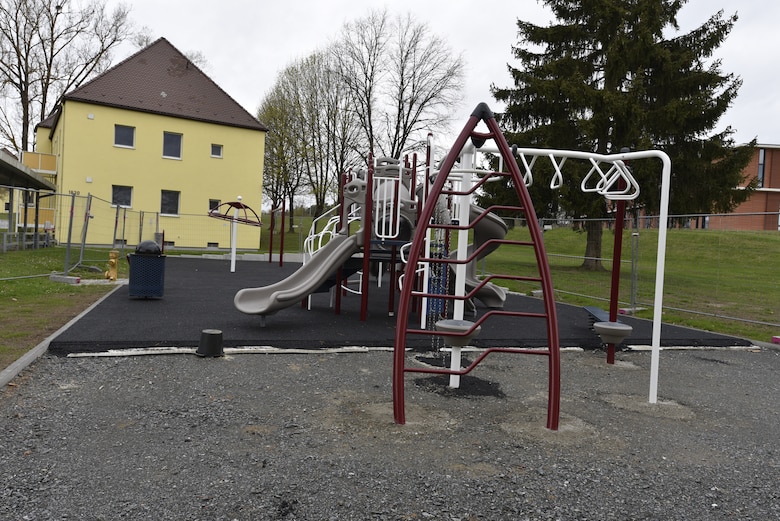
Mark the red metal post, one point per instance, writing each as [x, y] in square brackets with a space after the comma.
[367, 224]
[617, 252]
[281, 240]
[271, 239]
[550, 315]
[393, 282]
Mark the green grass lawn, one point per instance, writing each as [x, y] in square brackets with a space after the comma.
[32, 307]
[718, 274]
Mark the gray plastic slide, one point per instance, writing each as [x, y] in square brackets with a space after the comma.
[290, 291]
[491, 227]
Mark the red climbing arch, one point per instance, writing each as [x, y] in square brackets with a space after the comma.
[412, 290]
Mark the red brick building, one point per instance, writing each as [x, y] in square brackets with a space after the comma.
[761, 211]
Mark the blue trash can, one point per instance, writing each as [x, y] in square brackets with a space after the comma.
[147, 271]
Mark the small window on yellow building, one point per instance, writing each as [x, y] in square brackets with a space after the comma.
[169, 202]
[121, 196]
[124, 136]
[216, 150]
[172, 145]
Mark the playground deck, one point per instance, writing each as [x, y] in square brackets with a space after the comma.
[198, 295]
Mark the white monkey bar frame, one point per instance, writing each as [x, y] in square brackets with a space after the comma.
[604, 179]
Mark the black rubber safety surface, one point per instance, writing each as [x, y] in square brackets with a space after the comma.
[198, 294]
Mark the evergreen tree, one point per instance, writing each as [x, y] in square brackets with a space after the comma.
[607, 75]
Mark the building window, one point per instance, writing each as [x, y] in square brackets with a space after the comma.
[121, 196]
[761, 162]
[214, 204]
[216, 150]
[124, 136]
[172, 145]
[169, 202]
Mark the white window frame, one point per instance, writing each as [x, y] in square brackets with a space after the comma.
[123, 145]
[113, 198]
[178, 202]
[166, 135]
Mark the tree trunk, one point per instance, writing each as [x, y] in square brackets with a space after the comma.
[291, 214]
[595, 231]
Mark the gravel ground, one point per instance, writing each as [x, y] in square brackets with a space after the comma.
[311, 437]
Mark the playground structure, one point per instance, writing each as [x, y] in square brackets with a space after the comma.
[615, 182]
[329, 257]
[385, 216]
[426, 221]
[241, 214]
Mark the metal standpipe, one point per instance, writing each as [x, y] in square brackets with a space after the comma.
[634, 270]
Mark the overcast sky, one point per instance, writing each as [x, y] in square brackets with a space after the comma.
[247, 42]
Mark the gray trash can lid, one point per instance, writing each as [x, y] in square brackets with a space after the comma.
[148, 248]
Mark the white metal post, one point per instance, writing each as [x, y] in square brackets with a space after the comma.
[660, 263]
[463, 216]
[233, 237]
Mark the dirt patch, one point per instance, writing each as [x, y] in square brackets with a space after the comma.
[661, 409]
[372, 415]
[529, 426]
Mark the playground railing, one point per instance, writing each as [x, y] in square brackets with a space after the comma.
[317, 238]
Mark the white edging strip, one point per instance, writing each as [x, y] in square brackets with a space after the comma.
[248, 350]
[242, 350]
[694, 348]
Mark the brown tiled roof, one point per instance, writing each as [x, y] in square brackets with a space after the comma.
[161, 80]
[50, 119]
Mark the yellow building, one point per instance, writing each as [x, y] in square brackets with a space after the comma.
[156, 136]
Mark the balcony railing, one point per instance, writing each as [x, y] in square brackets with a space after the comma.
[40, 163]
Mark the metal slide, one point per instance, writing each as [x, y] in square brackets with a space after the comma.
[488, 228]
[290, 291]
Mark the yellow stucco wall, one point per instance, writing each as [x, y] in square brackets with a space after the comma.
[90, 163]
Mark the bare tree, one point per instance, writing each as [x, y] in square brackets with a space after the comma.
[313, 79]
[319, 133]
[401, 78]
[358, 56]
[373, 90]
[48, 47]
[282, 172]
[144, 37]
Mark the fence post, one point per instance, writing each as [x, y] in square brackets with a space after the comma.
[116, 226]
[140, 226]
[281, 238]
[124, 229]
[36, 219]
[87, 217]
[634, 268]
[271, 239]
[70, 233]
[25, 194]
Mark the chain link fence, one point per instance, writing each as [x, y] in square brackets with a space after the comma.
[77, 221]
[719, 267]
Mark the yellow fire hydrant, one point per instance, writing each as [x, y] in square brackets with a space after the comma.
[113, 264]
